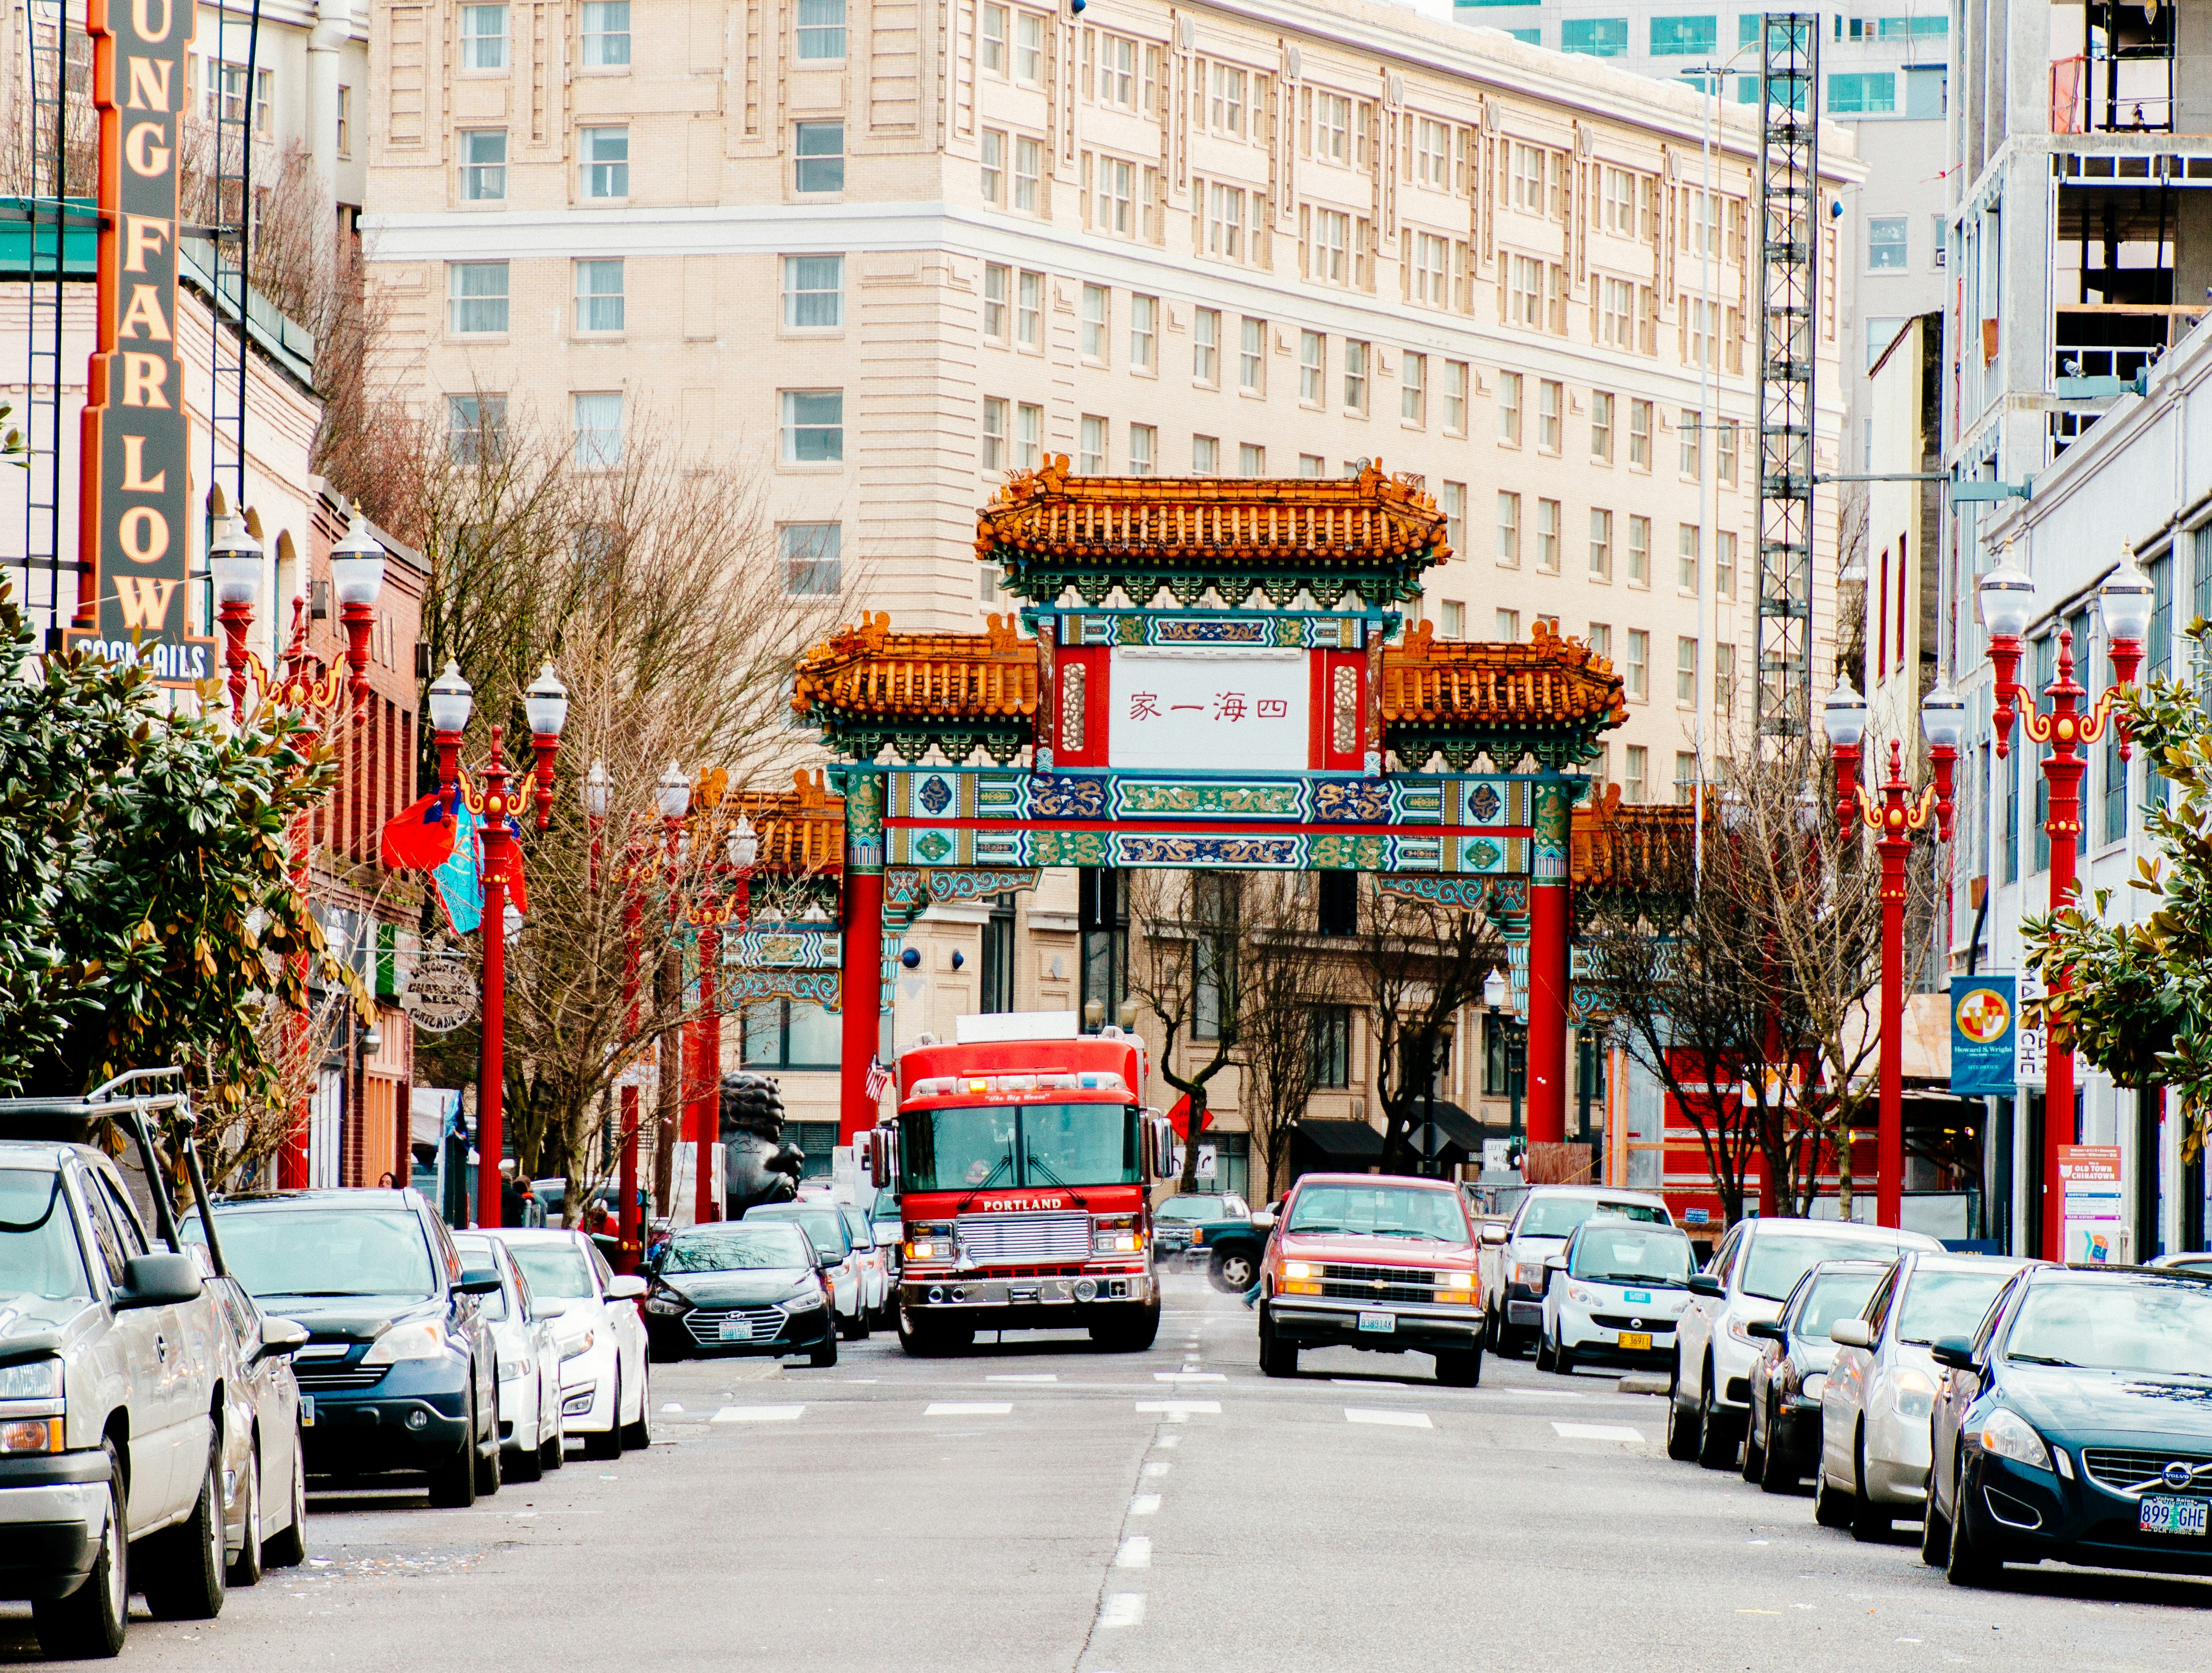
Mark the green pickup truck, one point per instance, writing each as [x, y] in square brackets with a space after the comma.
[1215, 1227]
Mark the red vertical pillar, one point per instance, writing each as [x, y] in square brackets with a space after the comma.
[1889, 1130]
[704, 1038]
[491, 1068]
[860, 982]
[1547, 962]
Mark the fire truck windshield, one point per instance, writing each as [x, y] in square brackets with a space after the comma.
[1006, 1146]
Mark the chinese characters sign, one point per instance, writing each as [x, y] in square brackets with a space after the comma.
[1238, 711]
[136, 496]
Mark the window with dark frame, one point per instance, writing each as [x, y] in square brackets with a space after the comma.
[1332, 1042]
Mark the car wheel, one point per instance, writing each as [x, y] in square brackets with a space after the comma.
[1969, 1561]
[491, 1469]
[825, 1351]
[1681, 1439]
[1775, 1475]
[607, 1443]
[188, 1560]
[246, 1566]
[525, 1464]
[1277, 1357]
[1832, 1505]
[1543, 1350]
[555, 1452]
[89, 1624]
[638, 1435]
[1460, 1368]
[1754, 1453]
[1934, 1533]
[288, 1547]
[1231, 1271]
[1563, 1359]
[1715, 1433]
[453, 1483]
[1869, 1523]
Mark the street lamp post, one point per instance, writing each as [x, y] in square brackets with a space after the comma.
[1893, 818]
[742, 847]
[2124, 602]
[672, 795]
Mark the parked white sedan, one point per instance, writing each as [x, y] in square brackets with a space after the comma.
[1876, 1406]
[607, 1395]
[528, 1356]
[875, 1268]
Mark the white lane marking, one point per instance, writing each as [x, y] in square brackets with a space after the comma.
[1190, 1377]
[672, 1407]
[860, 1379]
[1366, 1382]
[1619, 1432]
[1136, 1552]
[1027, 1377]
[968, 1408]
[1122, 1609]
[1145, 1503]
[758, 1413]
[1394, 1420]
[1157, 1468]
[1168, 1441]
[1210, 1407]
[1531, 1393]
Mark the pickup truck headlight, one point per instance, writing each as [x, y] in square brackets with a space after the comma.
[30, 1434]
[2010, 1435]
[1301, 1278]
[1529, 1274]
[32, 1379]
[1457, 1287]
[424, 1338]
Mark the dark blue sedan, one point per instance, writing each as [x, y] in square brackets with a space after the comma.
[2076, 1426]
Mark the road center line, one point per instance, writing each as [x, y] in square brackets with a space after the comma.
[1122, 1609]
[1145, 1503]
[1136, 1552]
[1616, 1431]
[1026, 1377]
[1393, 1420]
[1210, 1407]
[968, 1408]
[757, 1414]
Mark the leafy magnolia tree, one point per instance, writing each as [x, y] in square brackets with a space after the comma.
[2138, 999]
[147, 911]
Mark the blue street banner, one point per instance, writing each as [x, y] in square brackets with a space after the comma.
[1984, 1019]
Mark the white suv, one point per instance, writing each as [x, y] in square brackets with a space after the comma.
[1749, 1277]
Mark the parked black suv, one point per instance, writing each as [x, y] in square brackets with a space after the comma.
[399, 1370]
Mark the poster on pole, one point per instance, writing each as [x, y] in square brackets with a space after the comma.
[2031, 1038]
[2089, 1175]
[1984, 1012]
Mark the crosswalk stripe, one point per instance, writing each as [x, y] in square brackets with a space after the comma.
[1122, 1609]
[1620, 1432]
[1393, 1420]
[1209, 1408]
[757, 1414]
[968, 1408]
[1026, 1377]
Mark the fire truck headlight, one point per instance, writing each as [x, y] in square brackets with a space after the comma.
[1117, 1242]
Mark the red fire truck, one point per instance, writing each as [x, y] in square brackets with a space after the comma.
[1023, 1156]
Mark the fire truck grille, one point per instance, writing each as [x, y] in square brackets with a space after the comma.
[988, 1239]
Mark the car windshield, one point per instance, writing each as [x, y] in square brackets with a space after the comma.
[856, 1227]
[2102, 1325]
[1192, 1208]
[749, 1246]
[824, 1228]
[557, 1270]
[1835, 1295]
[39, 1252]
[312, 1251]
[1939, 1306]
[1381, 1211]
[1557, 1216]
[1776, 1263]
[1005, 1146]
[1630, 1254]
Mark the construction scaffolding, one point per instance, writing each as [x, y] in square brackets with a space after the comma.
[1789, 188]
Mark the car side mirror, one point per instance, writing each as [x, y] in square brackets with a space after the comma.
[1555, 1263]
[1956, 1354]
[1492, 1232]
[478, 1281]
[883, 1156]
[1765, 1329]
[1264, 1220]
[627, 1287]
[1851, 1333]
[156, 1280]
[1705, 1284]
[280, 1338]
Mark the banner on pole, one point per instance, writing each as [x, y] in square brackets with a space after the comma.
[1985, 1019]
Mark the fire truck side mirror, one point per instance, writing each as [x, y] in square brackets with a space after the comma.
[1161, 1133]
[883, 1156]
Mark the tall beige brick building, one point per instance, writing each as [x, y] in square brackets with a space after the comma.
[884, 252]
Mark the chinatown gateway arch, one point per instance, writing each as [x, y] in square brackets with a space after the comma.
[1207, 674]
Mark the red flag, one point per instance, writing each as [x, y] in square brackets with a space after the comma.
[421, 839]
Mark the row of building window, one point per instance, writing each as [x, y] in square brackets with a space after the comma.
[604, 28]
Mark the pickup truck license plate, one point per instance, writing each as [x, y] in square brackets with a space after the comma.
[306, 1411]
[737, 1329]
[1636, 1341]
[2171, 1515]
[1385, 1322]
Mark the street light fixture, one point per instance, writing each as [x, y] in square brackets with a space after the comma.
[596, 791]
[545, 705]
[451, 700]
[234, 561]
[1844, 716]
[357, 578]
[2123, 602]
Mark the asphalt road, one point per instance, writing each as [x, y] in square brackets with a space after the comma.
[1040, 1508]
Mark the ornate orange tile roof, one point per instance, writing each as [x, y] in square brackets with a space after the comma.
[801, 829]
[1631, 848]
[1467, 692]
[1372, 534]
[869, 674]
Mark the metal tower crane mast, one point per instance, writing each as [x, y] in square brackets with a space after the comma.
[1788, 277]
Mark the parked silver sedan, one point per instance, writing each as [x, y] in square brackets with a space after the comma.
[531, 1438]
[264, 1478]
[1877, 1404]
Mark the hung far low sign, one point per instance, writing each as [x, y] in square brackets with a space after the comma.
[136, 495]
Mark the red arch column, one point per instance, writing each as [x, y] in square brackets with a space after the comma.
[860, 991]
[1547, 960]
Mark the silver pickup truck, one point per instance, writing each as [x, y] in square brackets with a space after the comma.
[112, 1387]
[1512, 1261]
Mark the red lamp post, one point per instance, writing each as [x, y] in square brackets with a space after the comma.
[1893, 818]
[2124, 602]
[708, 917]
[673, 793]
